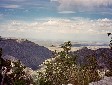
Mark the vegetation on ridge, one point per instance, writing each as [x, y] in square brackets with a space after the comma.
[13, 73]
[63, 68]
[29, 53]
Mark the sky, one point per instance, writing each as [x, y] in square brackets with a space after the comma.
[61, 20]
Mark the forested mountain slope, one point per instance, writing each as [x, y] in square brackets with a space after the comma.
[29, 53]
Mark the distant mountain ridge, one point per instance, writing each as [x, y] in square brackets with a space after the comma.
[103, 56]
[82, 44]
[29, 53]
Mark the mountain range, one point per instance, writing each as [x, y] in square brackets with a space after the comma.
[29, 53]
[102, 55]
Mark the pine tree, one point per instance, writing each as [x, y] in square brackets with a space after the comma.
[17, 76]
[64, 69]
[109, 34]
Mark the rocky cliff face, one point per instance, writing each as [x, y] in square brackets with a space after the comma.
[29, 53]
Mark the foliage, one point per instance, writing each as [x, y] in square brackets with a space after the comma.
[13, 74]
[110, 40]
[67, 47]
[111, 43]
[109, 73]
[64, 69]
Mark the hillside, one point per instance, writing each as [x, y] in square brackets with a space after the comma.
[79, 67]
[29, 53]
[103, 56]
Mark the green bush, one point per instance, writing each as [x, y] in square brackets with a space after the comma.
[63, 69]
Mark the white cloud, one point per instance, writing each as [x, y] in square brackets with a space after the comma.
[66, 12]
[104, 20]
[53, 0]
[83, 4]
[10, 6]
[58, 28]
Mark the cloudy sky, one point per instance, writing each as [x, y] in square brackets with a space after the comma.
[75, 20]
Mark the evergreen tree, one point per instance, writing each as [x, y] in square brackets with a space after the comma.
[64, 69]
[17, 76]
[110, 40]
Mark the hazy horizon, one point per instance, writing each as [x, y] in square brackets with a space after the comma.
[56, 20]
